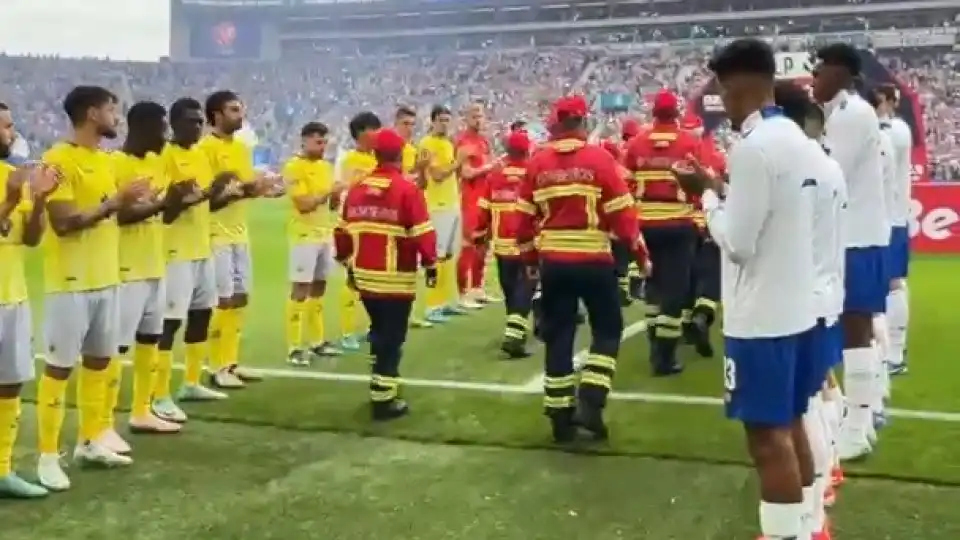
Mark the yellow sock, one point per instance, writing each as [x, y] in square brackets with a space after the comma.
[316, 332]
[161, 382]
[228, 332]
[112, 398]
[435, 296]
[144, 373]
[194, 354]
[51, 395]
[9, 422]
[348, 310]
[213, 339]
[296, 313]
[91, 399]
[234, 338]
[447, 270]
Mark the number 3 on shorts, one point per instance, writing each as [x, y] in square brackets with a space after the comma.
[729, 374]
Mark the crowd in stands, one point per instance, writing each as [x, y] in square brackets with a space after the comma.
[515, 83]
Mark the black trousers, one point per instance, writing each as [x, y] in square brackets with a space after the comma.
[563, 287]
[389, 319]
[517, 291]
[622, 257]
[672, 249]
[705, 285]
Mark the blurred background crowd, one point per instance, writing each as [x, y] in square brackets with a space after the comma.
[516, 76]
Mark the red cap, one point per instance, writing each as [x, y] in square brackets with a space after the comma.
[691, 121]
[518, 141]
[630, 128]
[665, 100]
[388, 141]
[571, 106]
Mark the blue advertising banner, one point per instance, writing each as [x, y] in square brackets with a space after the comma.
[226, 38]
[615, 102]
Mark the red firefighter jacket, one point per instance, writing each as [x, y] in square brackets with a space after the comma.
[651, 157]
[498, 208]
[570, 201]
[384, 229]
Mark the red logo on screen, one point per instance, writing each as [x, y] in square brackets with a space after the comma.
[225, 34]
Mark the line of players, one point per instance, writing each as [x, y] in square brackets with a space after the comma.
[143, 241]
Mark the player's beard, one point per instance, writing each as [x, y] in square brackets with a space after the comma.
[5, 150]
[108, 132]
[232, 127]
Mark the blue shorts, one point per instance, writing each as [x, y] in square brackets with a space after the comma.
[767, 380]
[822, 347]
[898, 253]
[866, 283]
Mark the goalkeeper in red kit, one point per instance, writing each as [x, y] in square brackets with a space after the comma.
[571, 200]
[384, 229]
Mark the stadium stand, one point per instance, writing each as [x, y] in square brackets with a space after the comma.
[336, 68]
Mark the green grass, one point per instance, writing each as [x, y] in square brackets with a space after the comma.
[299, 459]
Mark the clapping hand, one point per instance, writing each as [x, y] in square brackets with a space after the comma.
[694, 177]
[44, 180]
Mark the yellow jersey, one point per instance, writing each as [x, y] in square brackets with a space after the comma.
[141, 244]
[354, 165]
[445, 194]
[311, 177]
[409, 158]
[188, 237]
[229, 225]
[87, 260]
[13, 282]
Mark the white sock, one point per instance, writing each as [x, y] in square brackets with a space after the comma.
[806, 521]
[822, 463]
[882, 338]
[780, 521]
[859, 380]
[898, 314]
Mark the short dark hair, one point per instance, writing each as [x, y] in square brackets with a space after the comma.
[181, 106]
[4, 107]
[746, 56]
[145, 112]
[362, 122]
[794, 101]
[404, 111]
[519, 124]
[841, 55]
[83, 98]
[889, 91]
[314, 128]
[216, 102]
[438, 110]
[872, 96]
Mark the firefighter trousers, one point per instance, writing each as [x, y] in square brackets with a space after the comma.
[563, 286]
[704, 294]
[517, 290]
[672, 249]
[389, 319]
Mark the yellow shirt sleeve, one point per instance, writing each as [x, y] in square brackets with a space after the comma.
[297, 180]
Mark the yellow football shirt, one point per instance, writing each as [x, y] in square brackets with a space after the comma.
[229, 225]
[13, 283]
[311, 177]
[409, 158]
[87, 260]
[355, 165]
[188, 237]
[445, 194]
[141, 244]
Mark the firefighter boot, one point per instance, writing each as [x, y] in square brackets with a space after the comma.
[515, 348]
[563, 425]
[390, 410]
[663, 357]
[589, 416]
[700, 335]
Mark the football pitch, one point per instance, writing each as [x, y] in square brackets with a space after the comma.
[296, 456]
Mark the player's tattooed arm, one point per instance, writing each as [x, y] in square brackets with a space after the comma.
[67, 219]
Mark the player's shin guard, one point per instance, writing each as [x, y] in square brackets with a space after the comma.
[114, 377]
[897, 317]
[91, 399]
[145, 359]
[194, 354]
[859, 379]
[293, 323]
[161, 383]
[9, 424]
[819, 447]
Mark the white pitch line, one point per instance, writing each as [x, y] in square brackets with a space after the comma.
[536, 382]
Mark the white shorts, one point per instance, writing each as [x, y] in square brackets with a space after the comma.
[16, 352]
[233, 269]
[83, 323]
[141, 309]
[448, 227]
[311, 262]
[189, 286]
